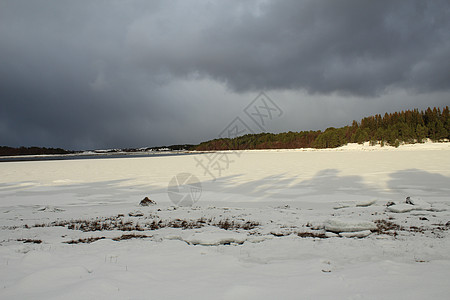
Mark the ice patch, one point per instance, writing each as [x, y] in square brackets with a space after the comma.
[413, 204]
[357, 234]
[438, 207]
[360, 203]
[341, 205]
[418, 202]
[330, 234]
[50, 209]
[365, 203]
[401, 208]
[215, 238]
[338, 226]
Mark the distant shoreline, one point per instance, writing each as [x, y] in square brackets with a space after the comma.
[78, 156]
[429, 145]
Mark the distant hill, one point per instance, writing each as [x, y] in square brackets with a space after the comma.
[10, 151]
[408, 126]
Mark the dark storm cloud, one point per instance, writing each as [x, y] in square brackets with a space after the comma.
[64, 80]
[89, 74]
[354, 47]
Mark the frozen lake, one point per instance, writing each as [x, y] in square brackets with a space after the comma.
[87, 156]
[268, 224]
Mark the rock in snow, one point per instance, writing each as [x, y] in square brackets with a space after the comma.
[409, 201]
[146, 202]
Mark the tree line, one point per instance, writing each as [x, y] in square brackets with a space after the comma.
[10, 151]
[410, 126]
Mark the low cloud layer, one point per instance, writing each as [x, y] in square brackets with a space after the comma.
[86, 74]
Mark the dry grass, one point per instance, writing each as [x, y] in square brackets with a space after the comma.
[308, 234]
[387, 227]
[131, 236]
[31, 241]
[117, 239]
[319, 235]
[85, 241]
[390, 228]
[118, 223]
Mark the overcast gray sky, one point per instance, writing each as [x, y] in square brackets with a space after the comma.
[129, 73]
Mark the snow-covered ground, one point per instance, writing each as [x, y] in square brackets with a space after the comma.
[281, 224]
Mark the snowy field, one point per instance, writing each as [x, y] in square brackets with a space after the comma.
[281, 224]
